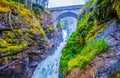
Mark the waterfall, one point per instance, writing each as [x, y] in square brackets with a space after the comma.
[49, 68]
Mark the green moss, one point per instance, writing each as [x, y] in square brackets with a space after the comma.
[94, 31]
[3, 6]
[3, 43]
[7, 48]
[116, 6]
[87, 54]
[51, 28]
[23, 15]
[15, 40]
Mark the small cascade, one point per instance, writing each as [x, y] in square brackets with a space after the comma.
[49, 68]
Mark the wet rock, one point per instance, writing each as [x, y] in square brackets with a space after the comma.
[38, 37]
[118, 47]
[109, 67]
[113, 43]
[43, 56]
[33, 64]
[34, 52]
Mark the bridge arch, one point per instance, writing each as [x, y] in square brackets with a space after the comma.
[58, 13]
[66, 14]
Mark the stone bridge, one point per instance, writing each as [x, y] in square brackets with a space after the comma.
[65, 11]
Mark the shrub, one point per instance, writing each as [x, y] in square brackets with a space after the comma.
[116, 74]
[87, 54]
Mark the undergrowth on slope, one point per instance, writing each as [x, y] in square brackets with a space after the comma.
[83, 56]
[87, 54]
[92, 20]
[73, 47]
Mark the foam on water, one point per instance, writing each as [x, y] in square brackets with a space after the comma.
[49, 68]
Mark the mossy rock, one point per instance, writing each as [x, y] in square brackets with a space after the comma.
[26, 26]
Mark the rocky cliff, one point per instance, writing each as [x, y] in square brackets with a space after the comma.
[93, 51]
[26, 38]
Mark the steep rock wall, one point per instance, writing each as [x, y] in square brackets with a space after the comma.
[26, 38]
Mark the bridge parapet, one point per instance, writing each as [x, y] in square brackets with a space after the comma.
[66, 8]
[65, 11]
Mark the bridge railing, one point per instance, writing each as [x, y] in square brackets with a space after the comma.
[66, 8]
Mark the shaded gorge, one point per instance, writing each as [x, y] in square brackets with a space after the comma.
[49, 68]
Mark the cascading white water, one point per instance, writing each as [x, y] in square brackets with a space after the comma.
[49, 68]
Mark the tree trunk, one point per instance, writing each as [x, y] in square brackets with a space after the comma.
[10, 21]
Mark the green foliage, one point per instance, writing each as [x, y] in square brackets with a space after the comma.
[93, 18]
[61, 24]
[116, 75]
[73, 47]
[78, 56]
[95, 14]
[104, 11]
[87, 54]
[85, 24]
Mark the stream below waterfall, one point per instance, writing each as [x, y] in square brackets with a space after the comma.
[49, 68]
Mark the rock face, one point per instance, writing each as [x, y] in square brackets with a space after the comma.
[23, 63]
[112, 35]
[106, 63]
[24, 66]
